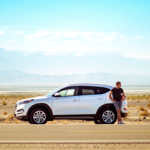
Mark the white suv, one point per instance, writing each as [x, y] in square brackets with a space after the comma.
[74, 101]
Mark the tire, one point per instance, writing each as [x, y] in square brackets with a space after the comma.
[108, 116]
[38, 116]
[97, 122]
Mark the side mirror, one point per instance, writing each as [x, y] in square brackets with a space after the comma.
[56, 95]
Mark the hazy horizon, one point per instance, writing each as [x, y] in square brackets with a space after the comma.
[44, 89]
[18, 77]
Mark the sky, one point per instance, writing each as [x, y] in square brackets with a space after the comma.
[67, 37]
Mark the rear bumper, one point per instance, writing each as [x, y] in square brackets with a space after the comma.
[123, 114]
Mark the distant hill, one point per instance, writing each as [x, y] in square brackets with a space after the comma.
[19, 77]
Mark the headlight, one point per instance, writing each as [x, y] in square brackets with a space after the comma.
[25, 102]
[20, 111]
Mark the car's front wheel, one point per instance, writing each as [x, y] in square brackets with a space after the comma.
[38, 116]
[108, 116]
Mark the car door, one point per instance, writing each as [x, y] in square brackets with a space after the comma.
[67, 103]
[91, 98]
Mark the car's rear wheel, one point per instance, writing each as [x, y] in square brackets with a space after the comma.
[38, 116]
[108, 116]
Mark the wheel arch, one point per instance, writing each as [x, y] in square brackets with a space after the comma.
[43, 105]
[109, 105]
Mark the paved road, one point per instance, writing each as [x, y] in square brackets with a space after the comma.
[74, 133]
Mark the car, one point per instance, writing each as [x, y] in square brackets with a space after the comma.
[75, 101]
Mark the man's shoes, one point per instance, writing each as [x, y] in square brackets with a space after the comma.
[121, 122]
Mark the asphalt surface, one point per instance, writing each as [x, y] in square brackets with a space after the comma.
[74, 133]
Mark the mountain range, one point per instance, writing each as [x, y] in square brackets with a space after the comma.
[19, 77]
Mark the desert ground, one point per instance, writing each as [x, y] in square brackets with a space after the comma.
[138, 110]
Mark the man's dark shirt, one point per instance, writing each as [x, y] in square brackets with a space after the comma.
[117, 94]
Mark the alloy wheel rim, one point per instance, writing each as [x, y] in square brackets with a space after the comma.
[39, 116]
[108, 116]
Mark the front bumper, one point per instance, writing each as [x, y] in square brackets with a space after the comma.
[23, 107]
[23, 115]
[25, 118]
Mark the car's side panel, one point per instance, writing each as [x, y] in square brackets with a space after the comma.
[66, 105]
[90, 103]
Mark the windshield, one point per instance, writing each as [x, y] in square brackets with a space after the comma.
[52, 92]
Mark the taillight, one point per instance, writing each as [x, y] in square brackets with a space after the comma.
[125, 108]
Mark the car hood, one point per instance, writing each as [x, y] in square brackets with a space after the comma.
[34, 98]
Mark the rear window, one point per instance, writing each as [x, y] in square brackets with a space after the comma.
[88, 91]
[101, 90]
[91, 90]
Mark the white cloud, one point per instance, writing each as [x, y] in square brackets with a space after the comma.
[19, 32]
[137, 37]
[34, 37]
[72, 41]
[12, 41]
[1, 32]
[68, 36]
[55, 37]
[77, 42]
[79, 54]
[72, 34]
[137, 55]
[110, 37]
[121, 36]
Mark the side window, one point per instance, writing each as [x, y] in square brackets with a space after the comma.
[67, 92]
[70, 92]
[63, 93]
[101, 90]
[86, 90]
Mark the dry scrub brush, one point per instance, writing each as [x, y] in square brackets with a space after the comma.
[17, 121]
[148, 105]
[139, 97]
[141, 108]
[10, 117]
[144, 113]
[17, 97]
[7, 121]
[132, 105]
[64, 121]
[5, 113]
[4, 103]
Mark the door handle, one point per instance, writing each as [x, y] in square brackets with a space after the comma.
[100, 98]
[75, 100]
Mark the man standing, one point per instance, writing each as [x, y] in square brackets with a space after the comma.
[118, 97]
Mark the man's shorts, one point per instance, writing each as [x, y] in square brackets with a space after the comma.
[118, 105]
